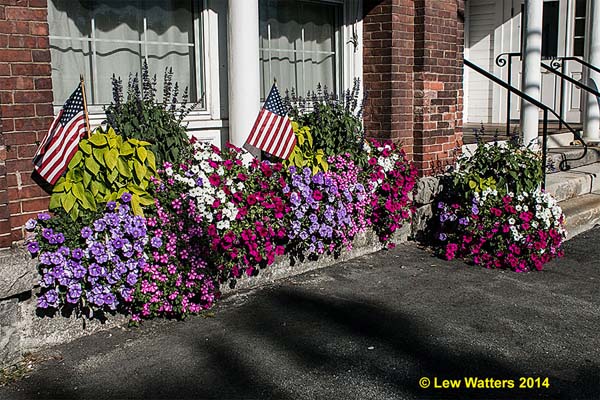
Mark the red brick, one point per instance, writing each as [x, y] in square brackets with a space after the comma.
[38, 3]
[39, 28]
[25, 14]
[17, 82]
[40, 55]
[22, 41]
[35, 205]
[31, 69]
[10, 55]
[43, 83]
[20, 110]
[2, 13]
[44, 110]
[14, 27]
[37, 96]
[32, 123]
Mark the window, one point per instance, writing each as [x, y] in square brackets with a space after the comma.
[99, 38]
[550, 30]
[579, 37]
[299, 45]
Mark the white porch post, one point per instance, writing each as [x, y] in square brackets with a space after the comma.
[531, 69]
[591, 119]
[244, 68]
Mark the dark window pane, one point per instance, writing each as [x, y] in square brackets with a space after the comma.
[580, 8]
[578, 47]
[550, 30]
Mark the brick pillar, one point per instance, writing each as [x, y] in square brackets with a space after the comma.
[413, 69]
[388, 57]
[25, 107]
[438, 83]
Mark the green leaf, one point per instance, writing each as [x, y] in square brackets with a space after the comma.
[126, 149]
[75, 160]
[123, 168]
[99, 155]
[142, 153]
[87, 178]
[79, 191]
[55, 201]
[111, 158]
[85, 146]
[98, 140]
[112, 175]
[59, 187]
[151, 161]
[68, 200]
[91, 201]
[135, 205]
[472, 184]
[92, 165]
[146, 200]
[140, 170]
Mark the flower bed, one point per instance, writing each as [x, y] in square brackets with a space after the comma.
[217, 215]
[499, 220]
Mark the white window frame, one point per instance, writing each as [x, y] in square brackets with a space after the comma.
[206, 66]
[348, 59]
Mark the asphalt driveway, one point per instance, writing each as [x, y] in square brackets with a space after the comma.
[371, 328]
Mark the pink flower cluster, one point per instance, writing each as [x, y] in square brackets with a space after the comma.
[391, 178]
[175, 281]
[520, 232]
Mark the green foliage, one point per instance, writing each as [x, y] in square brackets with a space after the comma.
[502, 167]
[141, 117]
[335, 124]
[103, 169]
[304, 154]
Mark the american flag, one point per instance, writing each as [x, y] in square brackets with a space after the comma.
[272, 131]
[61, 142]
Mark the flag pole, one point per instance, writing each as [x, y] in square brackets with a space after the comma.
[85, 110]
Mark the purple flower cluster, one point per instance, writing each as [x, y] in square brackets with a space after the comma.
[319, 211]
[100, 272]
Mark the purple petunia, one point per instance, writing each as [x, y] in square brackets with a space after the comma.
[33, 247]
[30, 224]
[126, 197]
[86, 232]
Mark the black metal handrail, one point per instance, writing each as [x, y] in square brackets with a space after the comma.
[501, 62]
[546, 110]
[559, 63]
[580, 61]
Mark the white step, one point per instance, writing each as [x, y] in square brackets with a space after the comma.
[582, 213]
[574, 182]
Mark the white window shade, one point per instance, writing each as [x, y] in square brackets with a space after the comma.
[100, 38]
[299, 45]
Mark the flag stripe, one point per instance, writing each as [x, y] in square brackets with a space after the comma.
[272, 131]
[275, 149]
[60, 142]
[64, 161]
[267, 128]
[261, 116]
[275, 137]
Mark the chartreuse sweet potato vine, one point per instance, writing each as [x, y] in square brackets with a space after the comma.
[103, 169]
[304, 155]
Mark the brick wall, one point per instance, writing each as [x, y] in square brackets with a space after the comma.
[25, 110]
[388, 58]
[413, 52]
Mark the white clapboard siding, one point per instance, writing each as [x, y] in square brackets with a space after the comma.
[481, 22]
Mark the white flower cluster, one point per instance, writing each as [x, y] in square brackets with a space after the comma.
[197, 179]
[387, 163]
[547, 213]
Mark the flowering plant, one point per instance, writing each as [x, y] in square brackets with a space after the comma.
[176, 280]
[241, 206]
[320, 211]
[95, 272]
[391, 178]
[521, 232]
